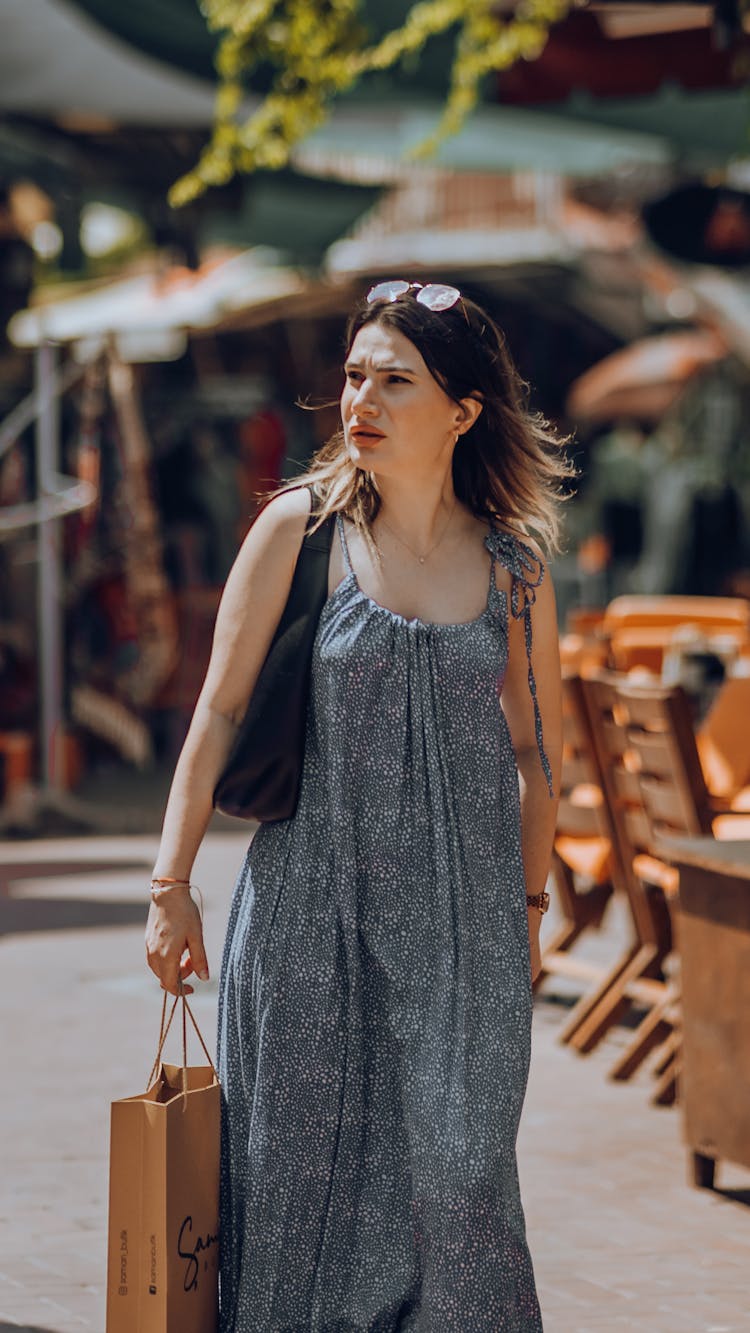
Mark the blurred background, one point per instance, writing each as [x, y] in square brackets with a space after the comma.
[152, 358]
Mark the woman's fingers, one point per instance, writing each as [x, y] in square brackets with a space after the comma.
[173, 978]
[174, 946]
[170, 977]
[163, 957]
[186, 970]
[179, 989]
[172, 973]
[197, 952]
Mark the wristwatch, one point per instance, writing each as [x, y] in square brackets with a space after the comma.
[540, 900]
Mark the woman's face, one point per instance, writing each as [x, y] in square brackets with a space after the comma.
[396, 418]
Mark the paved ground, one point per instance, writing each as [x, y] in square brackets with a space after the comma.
[620, 1240]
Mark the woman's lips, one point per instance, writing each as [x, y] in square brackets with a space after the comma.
[365, 435]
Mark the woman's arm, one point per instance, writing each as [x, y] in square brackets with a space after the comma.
[538, 809]
[251, 606]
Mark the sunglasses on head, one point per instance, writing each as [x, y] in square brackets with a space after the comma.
[435, 295]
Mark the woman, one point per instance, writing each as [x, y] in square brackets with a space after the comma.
[375, 1000]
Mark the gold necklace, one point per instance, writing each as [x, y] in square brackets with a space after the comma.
[427, 554]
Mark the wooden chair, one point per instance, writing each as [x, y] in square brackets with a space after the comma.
[637, 977]
[582, 853]
[639, 629]
[720, 613]
[672, 782]
[673, 801]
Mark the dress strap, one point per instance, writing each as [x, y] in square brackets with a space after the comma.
[527, 571]
[344, 544]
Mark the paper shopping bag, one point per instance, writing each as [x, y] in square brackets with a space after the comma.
[163, 1259]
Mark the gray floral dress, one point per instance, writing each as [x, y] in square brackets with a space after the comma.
[375, 1005]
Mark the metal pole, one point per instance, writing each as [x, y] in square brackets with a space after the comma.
[22, 416]
[49, 615]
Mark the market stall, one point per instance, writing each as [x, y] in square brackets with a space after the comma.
[151, 443]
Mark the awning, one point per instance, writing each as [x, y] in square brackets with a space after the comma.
[127, 69]
[174, 31]
[495, 139]
[55, 62]
[143, 311]
[703, 128]
[650, 69]
[644, 379]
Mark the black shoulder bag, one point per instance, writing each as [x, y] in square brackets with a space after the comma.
[262, 776]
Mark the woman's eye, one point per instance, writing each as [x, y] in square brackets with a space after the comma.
[397, 379]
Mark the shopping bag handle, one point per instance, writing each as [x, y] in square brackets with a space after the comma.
[164, 1030]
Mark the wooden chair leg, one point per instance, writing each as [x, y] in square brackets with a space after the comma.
[566, 935]
[669, 1050]
[650, 1033]
[589, 1002]
[579, 910]
[560, 943]
[596, 901]
[565, 964]
[565, 887]
[667, 1089]
[703, 1170]
[612, 1003]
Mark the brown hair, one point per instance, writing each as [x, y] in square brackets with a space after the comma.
[509, 467]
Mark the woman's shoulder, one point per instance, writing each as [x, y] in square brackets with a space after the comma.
[286, 507]
[277, 532]
[284, 517]
[510, 541]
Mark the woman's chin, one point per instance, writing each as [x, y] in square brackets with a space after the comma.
[365, 457]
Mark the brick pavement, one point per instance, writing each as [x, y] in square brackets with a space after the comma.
[620, 1240]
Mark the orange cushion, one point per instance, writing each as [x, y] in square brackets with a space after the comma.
[587, 795]
[731, 828]
[585, 856]
[631, 651]
[653, 871]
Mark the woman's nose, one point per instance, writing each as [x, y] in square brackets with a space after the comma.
[364, 399]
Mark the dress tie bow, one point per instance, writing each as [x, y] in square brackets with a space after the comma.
[527, 572]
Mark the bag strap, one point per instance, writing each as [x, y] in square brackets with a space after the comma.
[164, 1030]
[320, 539]
[309, 587]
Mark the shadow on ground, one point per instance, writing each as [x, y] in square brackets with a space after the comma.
[734, 1195]
[14, 868]
[23, 1328]
[20, 916]
[556, 1000]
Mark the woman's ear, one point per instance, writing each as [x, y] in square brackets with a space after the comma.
[468, 411]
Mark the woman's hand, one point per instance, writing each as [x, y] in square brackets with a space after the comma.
[174, 941]
[535, 951]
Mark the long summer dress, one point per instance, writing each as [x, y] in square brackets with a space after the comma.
[375, 1005]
